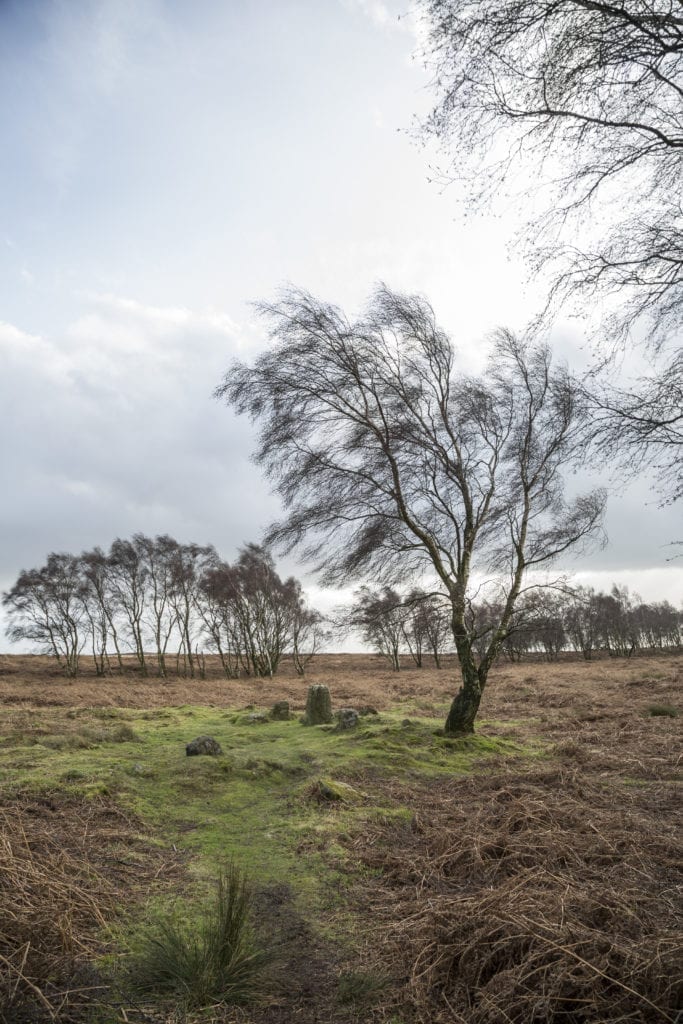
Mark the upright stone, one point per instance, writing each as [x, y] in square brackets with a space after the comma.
[318, 706]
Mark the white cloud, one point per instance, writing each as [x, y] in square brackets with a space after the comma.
[115, 429]
[661, 584]
[19, 349]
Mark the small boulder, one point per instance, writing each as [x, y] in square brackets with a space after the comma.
[331, 791]
[257, 718]
[203, 745]
[280, 711]
[347, 718]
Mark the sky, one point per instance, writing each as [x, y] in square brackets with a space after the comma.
[164, 166]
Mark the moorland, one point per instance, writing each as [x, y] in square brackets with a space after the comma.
[529, 872]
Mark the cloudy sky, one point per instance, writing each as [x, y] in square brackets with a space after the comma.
[164, 165]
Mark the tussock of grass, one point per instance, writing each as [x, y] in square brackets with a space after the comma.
[662, 711]
[207, 963]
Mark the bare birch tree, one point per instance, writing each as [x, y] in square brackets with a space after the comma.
[45, 606]
[381, 617]
[130, 582]
[390, 462]
[578, 106]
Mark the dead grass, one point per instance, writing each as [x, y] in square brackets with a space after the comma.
[543, 893]
[67, 868]
[546, 895]
[529, 689]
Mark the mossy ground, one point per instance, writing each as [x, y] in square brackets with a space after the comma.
[255, 804]
[264, 804]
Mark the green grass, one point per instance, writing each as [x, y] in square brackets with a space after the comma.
[259, 806]
[255, 805]
[662, 711]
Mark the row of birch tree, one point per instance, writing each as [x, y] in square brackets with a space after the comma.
[167, 604]
[546, 622]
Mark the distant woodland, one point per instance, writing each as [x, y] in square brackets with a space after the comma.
[169, 605]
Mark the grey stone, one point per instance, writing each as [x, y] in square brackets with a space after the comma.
[280, 711]
[318, 706]
[203, 745]
[347, 718]
[336, 792]
[257, 718]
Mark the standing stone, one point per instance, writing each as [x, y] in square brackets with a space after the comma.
[318, 706]
[280, 711]
[203, 745]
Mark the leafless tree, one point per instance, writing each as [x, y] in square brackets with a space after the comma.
[99, 606]
[130, 582]
[391, 463]
[541, 621]
[252, 617]
[153, 590]
[267, 606]
[646, 422]
[380, 617]
[308, 631]
[581, 621]
[186, 565]
[215, 606]
[45, 606]
[159, 615]
[583, 98]
[428, 627]
[414, 627]
[590, 92]
[659, 625]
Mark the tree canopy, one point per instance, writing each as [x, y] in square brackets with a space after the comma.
[587, 96]
[391, 462]
[576, 106]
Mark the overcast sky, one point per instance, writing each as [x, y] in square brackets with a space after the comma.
[166, 163]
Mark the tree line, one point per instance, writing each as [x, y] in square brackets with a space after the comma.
[545, 622]
[167, 604]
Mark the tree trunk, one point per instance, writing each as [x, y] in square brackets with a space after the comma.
[463, 710]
